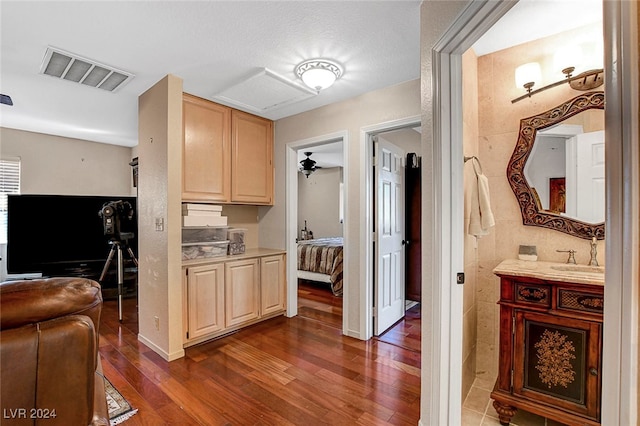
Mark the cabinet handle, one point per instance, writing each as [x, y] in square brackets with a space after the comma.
[593, 371]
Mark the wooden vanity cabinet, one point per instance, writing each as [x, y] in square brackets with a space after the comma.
[550, 350]
[227, 154]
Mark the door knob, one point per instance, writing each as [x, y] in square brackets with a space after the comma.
[593, 371]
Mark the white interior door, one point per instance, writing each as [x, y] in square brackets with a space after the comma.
[389, 304]
[590, 176]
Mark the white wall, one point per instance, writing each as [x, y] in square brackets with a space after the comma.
[65, 166]
[160, 196]
[406, 139]
[319, 202]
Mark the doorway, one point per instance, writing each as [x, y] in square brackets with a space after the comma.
[387, 254]
[320, 234]
[337, 143]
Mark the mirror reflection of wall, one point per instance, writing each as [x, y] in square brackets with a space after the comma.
[566, 168]
[546, 162]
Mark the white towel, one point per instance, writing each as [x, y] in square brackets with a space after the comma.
[481, 216]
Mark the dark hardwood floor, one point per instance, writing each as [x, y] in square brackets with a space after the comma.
[284, 371]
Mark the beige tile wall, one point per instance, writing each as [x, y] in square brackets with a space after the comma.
[470, 147]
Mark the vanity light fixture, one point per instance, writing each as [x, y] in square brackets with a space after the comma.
[528, 75]
[318, 74]
[585, 81]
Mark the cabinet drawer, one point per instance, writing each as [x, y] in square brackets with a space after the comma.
[580, 301]
[533, 294]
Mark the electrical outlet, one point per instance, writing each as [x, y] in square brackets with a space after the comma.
[156, 320]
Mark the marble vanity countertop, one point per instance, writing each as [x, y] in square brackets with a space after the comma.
[551, 271]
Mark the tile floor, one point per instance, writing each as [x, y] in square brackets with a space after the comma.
[477, 409]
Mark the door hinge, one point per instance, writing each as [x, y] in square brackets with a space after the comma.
[513, 325]
[375, 311]
[187, 335]
[511, 381]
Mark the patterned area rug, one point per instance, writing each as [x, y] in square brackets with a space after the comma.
[119, 408]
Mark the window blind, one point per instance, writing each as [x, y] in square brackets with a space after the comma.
[9, 184]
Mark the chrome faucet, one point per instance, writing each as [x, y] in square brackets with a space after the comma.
[572, 257]
[594, 252]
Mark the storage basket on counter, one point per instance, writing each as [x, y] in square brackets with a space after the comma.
[236, 240]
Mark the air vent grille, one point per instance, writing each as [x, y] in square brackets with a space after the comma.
[68, 66]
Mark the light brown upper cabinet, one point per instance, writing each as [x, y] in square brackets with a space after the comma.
[227, 154]
[206, 150]
[252, 159]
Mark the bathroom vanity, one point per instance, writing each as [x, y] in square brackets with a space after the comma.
[550, 341]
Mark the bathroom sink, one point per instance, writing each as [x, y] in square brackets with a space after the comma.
[579, 268]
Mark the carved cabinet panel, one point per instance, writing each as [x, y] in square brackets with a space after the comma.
[556, 360]
[550, 350]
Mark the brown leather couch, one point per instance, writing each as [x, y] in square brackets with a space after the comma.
[50, 368]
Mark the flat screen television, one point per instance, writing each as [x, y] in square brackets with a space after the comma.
[63, 235]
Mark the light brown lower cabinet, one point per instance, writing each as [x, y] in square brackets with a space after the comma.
[242, 291]
[205, 300]
[228, 294]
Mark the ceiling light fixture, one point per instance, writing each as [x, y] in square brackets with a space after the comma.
[307, 166]
[318, 74]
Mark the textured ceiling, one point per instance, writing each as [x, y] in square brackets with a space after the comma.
[211, 45]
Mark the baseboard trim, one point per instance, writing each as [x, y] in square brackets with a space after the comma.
[165, 355]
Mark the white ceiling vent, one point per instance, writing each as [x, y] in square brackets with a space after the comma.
[71, 67]
[264, 91]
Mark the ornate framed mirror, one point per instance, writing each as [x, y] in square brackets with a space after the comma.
[567, 203]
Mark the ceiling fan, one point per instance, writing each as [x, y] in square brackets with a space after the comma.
[308, 166]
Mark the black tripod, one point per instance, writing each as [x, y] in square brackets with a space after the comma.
[116, 247]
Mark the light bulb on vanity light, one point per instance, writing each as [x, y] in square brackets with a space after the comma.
[528, 75]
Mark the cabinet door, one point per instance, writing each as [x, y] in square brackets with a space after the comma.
[557, 362]
[252, 159]
[206, 153]
[242, 288]
[272, 284]
[205, 299]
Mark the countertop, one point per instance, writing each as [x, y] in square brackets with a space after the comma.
[255, 252]
[551, 271]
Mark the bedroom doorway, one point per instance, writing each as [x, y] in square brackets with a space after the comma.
[316, 207]
[320, 232]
